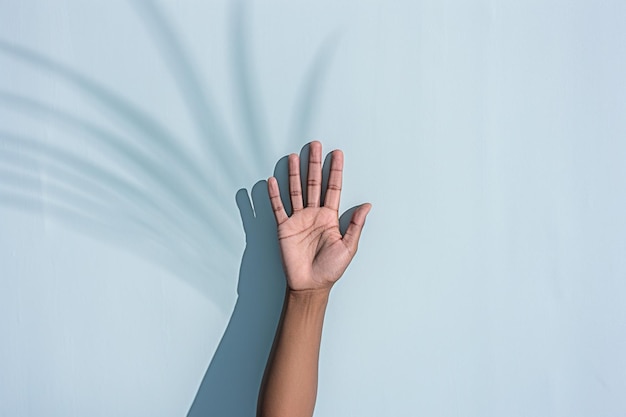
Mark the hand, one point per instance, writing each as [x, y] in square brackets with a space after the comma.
[314, 253]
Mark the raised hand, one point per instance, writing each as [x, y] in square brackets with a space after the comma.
[314, 252]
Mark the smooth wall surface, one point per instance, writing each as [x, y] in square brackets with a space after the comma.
[138, 269]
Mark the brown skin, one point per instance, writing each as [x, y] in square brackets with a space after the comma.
[314, 255]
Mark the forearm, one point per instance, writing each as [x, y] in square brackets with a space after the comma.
[290, 382]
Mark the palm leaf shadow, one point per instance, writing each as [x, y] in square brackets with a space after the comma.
[148, 191]
[90, 180]
[196, 96]
[143, 163]
[183, 189]
[251, 112]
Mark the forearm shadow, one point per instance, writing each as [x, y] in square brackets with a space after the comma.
[231, 384]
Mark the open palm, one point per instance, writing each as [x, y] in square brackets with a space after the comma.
[314, 252]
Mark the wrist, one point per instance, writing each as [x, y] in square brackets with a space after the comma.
[303, 283]
[317, 296]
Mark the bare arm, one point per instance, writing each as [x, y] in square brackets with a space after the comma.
[314, 255]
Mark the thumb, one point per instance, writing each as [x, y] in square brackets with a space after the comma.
[353, 233]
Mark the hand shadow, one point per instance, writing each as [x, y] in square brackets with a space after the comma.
[231, 384]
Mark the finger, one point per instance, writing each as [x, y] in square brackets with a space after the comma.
[314, 177]
[245, 209]
[275, 201]
[333, 192]
[295, 186]
[351, 238]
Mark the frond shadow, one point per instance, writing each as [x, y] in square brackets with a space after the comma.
[155, 197]
[214, 140]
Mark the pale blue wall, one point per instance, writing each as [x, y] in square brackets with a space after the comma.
[489, 136]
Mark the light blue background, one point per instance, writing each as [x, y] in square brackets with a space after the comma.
[489, 137]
